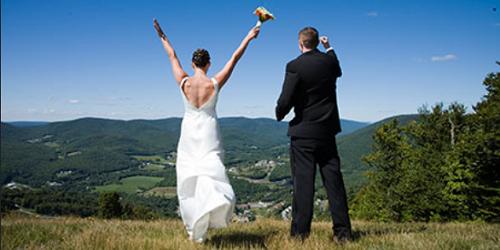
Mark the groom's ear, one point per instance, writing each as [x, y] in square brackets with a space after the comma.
[301, 46]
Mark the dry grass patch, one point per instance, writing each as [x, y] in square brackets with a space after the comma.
[27, 232]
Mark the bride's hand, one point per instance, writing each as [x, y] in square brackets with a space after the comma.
[253, 33]
[158, 29]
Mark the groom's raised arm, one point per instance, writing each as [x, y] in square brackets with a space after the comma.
[336, 63]
[285, 101]
[329, 50]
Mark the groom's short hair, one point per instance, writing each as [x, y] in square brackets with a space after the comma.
[309, 37]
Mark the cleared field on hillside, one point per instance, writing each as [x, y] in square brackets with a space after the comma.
[131, 184]
[153, 167]
[167, 192]
[20, 231]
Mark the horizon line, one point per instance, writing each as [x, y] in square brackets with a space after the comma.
[178, 117]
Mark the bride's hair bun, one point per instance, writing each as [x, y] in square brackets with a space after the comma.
[201, 58]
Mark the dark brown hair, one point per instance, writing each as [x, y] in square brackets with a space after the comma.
[201, 58]
[309, 37]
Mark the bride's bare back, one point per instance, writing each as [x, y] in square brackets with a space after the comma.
[198, 90]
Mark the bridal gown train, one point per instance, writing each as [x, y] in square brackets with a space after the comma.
[206, 198]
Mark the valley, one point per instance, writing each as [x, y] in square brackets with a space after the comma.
[137, 159]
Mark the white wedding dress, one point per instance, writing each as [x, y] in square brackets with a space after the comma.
[206, 198]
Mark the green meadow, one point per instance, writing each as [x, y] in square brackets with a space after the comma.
[131, 184]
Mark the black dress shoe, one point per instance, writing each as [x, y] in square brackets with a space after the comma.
[299, 236]
[342, 239]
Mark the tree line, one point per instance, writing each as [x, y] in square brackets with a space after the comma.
[444, 166]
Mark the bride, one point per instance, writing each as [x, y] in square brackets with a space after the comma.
[206, 198]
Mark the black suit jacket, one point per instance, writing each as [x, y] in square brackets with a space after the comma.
[310, 88]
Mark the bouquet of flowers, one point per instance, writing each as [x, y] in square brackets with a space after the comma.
[263, 15]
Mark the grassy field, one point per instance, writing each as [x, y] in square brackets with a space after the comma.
[131, 184]
[153, 167]
[27, 232]
[167, 192]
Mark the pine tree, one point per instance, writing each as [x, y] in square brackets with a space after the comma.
[486, 163]
[381, 199]
[109, 205]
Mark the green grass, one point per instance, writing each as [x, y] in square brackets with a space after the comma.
[167, 192]
[154, 167]
[26, 232]
[131, 184]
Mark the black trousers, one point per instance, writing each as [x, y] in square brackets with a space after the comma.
[305, 154]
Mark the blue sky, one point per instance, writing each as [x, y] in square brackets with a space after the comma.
[63, 60]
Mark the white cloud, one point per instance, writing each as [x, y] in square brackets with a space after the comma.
[443, 58]
[73, 101]
[372, 14]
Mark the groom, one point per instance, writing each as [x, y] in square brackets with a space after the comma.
[309, 88]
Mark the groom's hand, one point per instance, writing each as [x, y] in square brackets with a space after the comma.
[324, 41]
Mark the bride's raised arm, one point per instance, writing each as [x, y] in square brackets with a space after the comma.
[179, 73]
[225, 73]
